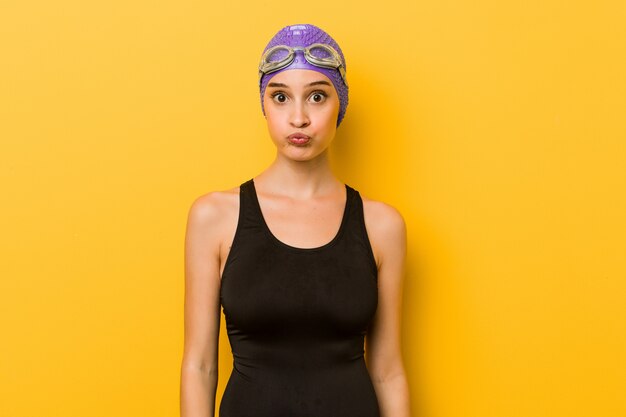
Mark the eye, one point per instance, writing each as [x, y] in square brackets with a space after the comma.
[279, 97]
[318, 96]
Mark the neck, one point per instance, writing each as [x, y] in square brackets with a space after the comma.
[299, 179]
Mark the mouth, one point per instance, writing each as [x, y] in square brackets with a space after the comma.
[298, 139]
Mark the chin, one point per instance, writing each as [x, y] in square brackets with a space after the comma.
[301, 154]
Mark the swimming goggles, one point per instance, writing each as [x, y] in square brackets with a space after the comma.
[318, 54]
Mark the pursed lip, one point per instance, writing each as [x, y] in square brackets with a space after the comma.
[299, 139]
[298, 136]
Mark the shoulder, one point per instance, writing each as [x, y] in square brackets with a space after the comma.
[386, 228]
[211, 219]
[212, 208]
[214, 203]
[383, 216]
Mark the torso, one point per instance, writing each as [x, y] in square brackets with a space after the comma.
[297, 316]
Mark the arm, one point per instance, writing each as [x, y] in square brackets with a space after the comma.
[387, 233]
[198, 381]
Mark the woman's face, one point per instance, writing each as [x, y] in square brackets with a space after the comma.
[301, 108]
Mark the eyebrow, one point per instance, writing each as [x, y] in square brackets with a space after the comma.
[281, 85]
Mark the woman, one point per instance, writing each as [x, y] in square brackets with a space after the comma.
[305, 269]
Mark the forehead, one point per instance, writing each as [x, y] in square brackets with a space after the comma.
[298, 78]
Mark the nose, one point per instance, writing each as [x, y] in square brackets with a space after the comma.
[299, 116]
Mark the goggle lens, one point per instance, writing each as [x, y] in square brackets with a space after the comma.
[277, 55]
[321, 52]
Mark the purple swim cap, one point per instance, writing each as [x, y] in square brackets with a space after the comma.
[303, 36]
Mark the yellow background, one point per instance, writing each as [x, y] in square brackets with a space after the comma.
[497, 128]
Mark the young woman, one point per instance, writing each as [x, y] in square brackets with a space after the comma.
[306, 270]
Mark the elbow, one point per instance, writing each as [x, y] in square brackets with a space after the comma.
[382, 372]
[206, 369]
[386, 377]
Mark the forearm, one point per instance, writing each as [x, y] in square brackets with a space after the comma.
[197, 392]
[393, 396]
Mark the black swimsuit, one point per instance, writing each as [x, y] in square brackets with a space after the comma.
[297, 318]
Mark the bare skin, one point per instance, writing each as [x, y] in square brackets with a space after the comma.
[302, 203]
